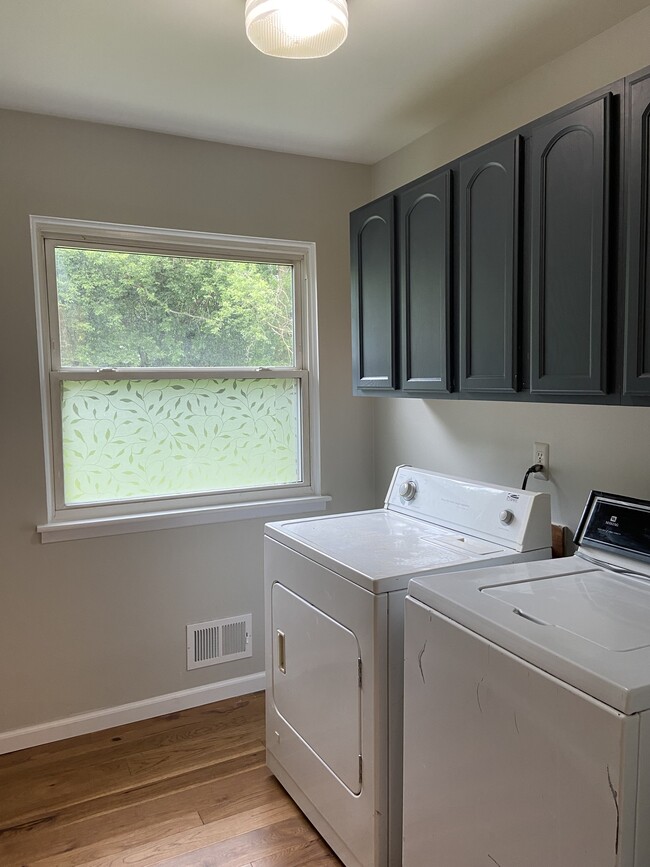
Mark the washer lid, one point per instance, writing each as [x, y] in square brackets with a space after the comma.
[587, 626]
[609, 610]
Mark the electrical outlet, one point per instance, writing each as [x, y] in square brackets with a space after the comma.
[540, 456]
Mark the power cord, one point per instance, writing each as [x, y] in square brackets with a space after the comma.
[536, 468]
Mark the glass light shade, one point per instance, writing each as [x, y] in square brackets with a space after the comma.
[297, 28]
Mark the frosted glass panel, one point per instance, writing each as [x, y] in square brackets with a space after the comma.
[126, 439]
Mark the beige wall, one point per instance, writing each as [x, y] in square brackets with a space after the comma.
[100, 622]
[599, 447]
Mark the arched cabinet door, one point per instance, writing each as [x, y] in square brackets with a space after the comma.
[424, 233]
[637, 325]
[374, 297]
[489, 268]
[570, 250]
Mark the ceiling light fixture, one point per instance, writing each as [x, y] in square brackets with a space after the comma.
[297, 28]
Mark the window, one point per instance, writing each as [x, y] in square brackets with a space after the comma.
[178, 375]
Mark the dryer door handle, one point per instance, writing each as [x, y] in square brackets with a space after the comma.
[282, 657]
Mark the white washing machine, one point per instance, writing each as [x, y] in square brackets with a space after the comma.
[527, 706]
[335, 589]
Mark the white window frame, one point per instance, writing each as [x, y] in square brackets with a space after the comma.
[73, 521]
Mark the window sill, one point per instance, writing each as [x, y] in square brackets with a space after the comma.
[63, 531]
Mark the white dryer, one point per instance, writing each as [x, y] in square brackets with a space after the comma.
[527, 706]
[335, 588]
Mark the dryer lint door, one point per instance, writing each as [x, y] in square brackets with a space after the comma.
[315, 681]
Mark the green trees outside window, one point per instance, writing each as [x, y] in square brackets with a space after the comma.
[123, 309]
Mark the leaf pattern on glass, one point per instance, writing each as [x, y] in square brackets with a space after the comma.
[132, 439]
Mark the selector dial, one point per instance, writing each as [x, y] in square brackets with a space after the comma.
[506, 516]
[408, 490]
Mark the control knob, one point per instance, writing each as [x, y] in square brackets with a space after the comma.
[506, 516]
[408, 490]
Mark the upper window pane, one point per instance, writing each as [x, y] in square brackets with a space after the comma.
[123, 309]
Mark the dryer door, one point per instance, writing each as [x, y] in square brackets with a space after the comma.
[315, 680]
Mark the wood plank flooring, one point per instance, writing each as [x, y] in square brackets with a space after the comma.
[189, 789]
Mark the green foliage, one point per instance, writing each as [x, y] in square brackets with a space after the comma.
[120, 309]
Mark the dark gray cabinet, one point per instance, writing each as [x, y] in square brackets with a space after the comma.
[637, 324]
[520, 271]
[374, 296]
[489, 268]
[570, 249]
[424, 252]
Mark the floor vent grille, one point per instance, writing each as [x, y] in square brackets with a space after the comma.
[218, 641]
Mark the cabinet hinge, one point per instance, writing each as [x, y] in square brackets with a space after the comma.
[359, 670]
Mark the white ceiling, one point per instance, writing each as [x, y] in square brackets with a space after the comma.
[186, 67]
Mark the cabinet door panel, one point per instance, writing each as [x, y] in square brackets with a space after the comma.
[425, 274]
[374, 318]
[570, 201]
[637, 326]
[489, 269]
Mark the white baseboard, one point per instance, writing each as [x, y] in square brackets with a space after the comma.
[107, 718]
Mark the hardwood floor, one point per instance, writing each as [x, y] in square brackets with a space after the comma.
[185, 790]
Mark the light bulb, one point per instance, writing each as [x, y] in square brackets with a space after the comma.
[297, 28]
[301, 20]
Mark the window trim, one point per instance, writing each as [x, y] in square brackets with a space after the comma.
[82, 520]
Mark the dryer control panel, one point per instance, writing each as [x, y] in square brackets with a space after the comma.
[518, 519]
